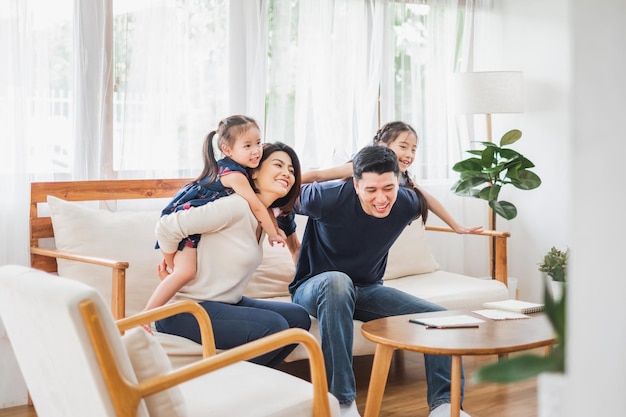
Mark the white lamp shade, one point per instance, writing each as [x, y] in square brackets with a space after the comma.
[488, 92]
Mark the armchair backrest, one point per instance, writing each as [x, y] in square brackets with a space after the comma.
[42, 317]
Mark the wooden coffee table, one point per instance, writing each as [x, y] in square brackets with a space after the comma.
[490, 338]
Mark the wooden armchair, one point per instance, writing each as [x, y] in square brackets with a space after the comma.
[76, 362]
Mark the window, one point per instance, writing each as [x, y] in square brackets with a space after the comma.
[171, 81]
[120, 88]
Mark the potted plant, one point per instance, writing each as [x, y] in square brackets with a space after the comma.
[493, 167]
[554, 266]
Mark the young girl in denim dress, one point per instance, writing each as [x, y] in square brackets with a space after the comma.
[239, 139]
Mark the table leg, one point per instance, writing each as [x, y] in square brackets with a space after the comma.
[455, 388]
[378, 379]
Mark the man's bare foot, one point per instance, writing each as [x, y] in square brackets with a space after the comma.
[162, 270]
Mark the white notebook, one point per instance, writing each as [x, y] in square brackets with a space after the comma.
[494, 314]
[515, 306]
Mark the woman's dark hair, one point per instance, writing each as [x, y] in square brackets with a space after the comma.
[227, 131]
[286, 203]
[388, 133]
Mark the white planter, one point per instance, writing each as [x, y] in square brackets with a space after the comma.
[550, 394]
[557, 289]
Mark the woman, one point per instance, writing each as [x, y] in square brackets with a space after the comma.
[229, 251]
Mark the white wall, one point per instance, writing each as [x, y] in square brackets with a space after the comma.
[534, 39]
[597, 333]
[573, 57]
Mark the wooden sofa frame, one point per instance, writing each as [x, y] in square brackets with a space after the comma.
[111, 190]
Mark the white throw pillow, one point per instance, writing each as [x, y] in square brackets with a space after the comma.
[276, 270]
[126, 236]
[149, 360]
[410, 254]
[273, 275]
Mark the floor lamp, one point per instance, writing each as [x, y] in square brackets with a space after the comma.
[488, 93]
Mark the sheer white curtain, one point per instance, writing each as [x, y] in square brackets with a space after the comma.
[92, 89]
[34, 113]
[35, 127]
[324, 74]
[330, 62]
[172, 84]
[426, 43]
[339, 58]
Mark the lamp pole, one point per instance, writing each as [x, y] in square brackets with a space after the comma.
[487, 93]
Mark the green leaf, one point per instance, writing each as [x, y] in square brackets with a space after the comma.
[510, 137]
[510, 154]
[517, 368]
[526, 180]
[462, 186]
[488, 156]
[490, 192]
[512, 172]
[484, 193]
[489, 145]
[470, 164]
[526, 163]
[494, 191]
[504, 209]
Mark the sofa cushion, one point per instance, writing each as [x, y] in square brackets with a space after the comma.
[410, 254]
[247, 389]
[122, 235]
[149, 360]
[273, 275]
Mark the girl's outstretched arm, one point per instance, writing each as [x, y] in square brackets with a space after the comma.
[440, 211]
[327, 174]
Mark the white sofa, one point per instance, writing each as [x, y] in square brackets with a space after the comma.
[129, 236]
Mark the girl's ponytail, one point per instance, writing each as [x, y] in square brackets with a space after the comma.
[209, 172]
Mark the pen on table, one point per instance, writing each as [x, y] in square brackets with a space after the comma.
[454, 326]
[444, 326]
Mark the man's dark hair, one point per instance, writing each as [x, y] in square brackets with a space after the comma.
[377, 159]
[380, 159]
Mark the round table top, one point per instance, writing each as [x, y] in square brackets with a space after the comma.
[491, 337]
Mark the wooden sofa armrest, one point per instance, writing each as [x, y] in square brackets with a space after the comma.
[118, 274]
[186, 306]
[497, 250]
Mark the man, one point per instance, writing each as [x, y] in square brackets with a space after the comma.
[341, 262]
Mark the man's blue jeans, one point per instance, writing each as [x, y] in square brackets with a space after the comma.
[334, 300]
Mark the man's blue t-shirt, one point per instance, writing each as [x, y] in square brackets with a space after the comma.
[340, 236]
